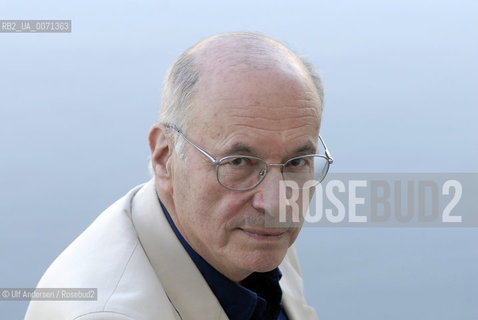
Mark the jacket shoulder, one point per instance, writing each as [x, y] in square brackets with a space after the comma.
[107, 257]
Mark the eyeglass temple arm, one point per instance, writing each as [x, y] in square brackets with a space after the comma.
[327, 153]
[207, 155]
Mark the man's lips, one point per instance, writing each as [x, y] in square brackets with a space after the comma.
[264, 233]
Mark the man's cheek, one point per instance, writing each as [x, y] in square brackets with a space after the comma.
[231, 206]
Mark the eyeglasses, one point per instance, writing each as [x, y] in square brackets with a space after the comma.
[241, 172]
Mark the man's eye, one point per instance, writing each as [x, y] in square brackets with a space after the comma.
[239, 162]
[297, 163]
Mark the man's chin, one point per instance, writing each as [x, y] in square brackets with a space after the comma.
[264, 260]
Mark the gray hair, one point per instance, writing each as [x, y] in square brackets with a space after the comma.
[183, 76]
[178, 91]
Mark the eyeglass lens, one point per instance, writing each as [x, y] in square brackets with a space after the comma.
[246, 172]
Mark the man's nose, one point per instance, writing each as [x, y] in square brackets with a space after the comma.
[266, 194]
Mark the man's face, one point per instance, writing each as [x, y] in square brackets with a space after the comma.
[270, 114]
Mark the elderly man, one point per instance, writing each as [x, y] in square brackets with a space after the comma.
[240, 114]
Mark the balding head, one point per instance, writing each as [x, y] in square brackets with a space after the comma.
[218, 56]
[245, 51]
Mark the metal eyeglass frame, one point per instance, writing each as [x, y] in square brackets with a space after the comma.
[263, 173]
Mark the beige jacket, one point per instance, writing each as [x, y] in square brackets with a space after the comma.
[142, 272]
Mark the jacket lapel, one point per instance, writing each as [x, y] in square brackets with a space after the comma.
[183, 283]
[293, 298]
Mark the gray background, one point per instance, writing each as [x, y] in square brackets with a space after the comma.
[401, 96]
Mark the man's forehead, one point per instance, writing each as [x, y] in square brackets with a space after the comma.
[257, 112]
[233, 133]
[285, 123]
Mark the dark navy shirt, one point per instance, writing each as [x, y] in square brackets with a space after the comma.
[257, 298]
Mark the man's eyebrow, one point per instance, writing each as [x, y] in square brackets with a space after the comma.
[238, 148]
[308, 148]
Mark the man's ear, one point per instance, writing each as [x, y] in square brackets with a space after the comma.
[161, 155]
